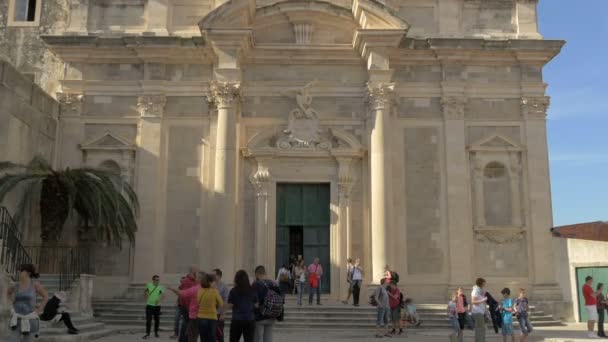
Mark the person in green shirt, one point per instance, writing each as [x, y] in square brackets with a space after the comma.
[153, 294]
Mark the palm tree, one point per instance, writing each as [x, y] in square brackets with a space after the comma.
[100, 199]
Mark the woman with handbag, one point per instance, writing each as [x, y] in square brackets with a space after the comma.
[315, 272]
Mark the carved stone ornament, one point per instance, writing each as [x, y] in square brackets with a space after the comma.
[379, 95]
[260, 180]
[224, 94]
[499, 236]
[303, 126]
[151, 105]
[535, 107]
[71, 104]
[453, 107]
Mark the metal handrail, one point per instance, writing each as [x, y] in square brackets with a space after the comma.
[68, 262]
[12, 252]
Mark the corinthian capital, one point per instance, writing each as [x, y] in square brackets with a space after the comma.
[71, 104]
[380, 94]
[453, 107]
[224, 94]
[535, 107]
[151, 105]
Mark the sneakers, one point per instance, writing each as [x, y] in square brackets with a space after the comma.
[73, 331]
[591, 334]
[145, 337]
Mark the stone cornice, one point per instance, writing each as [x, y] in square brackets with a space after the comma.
[129, 49]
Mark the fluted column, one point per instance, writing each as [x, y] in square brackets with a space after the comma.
[261, 183]
[379, 97]
[345, 186]
[226, 97]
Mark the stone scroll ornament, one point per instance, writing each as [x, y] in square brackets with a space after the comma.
[303, 130]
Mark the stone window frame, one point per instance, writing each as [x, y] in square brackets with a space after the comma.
[12, 6]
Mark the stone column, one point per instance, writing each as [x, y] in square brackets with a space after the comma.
[226, 97]
[379, 96]
[345, 186]
[157, 12]
[542, 276]
[149, 251]
[458, 190]
[515, 180]
[261, 183]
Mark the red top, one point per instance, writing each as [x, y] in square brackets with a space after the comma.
[589, 295]
[393, 299]
[186, 284]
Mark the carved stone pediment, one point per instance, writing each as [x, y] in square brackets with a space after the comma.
[495, 142]
[107, 141]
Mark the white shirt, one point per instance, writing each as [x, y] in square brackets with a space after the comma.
[477, 295]
[357, 273]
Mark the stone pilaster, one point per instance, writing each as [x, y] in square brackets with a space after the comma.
[79, 17]
[157, 14]
[380, 97]
[71, 103]
[543, 279]
[226, 97]
[515, 180]
[149, 251]
[459, 220]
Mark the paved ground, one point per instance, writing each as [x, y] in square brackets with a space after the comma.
[573, 332]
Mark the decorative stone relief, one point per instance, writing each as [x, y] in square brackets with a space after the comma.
[499, 236]
[261, 179]
[303, 126]
[151, 105]
[453, 107]
[535, 107]
[224, 94]
[71, 104]
[380, 94]
[303, 33]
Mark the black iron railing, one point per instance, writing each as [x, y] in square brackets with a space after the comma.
[12, 252]
[68, 262]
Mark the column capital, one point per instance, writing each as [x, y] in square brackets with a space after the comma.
[380, 94]
[453, 107]
[261, 179]
[151, 105]
[224, 94]
[71, 103]
[535, 107]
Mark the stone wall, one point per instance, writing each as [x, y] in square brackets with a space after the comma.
[25, 50]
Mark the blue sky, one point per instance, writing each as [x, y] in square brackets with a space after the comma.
[578, 116]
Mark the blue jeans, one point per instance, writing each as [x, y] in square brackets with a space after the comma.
[263, 330]
[300, 292]
[382, 316]
[178, 320]
[207, 329]
[456, 331]
[311, 293]
[524, 323]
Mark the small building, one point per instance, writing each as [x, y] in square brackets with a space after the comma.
[584, 248]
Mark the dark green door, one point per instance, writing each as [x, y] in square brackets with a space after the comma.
[303, 219]
[599, 274]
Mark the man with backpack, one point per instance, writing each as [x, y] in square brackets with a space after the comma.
[269, 307]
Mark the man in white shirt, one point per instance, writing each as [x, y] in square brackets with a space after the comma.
[479, 299]
[357, 278]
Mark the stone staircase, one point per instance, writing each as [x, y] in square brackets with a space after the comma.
[90, 328]
[128, 316]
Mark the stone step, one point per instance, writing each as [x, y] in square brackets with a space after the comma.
[85, 336]
[83, 328]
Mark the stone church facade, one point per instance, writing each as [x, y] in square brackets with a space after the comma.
[410, 133]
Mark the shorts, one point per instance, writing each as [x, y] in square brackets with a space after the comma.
[395, 314]
[591, 312]
[507, 329]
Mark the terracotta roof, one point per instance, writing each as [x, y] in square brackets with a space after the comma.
[596, 231]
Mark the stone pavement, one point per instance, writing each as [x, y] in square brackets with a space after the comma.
[567, 333]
